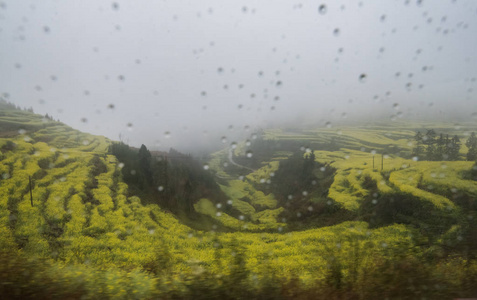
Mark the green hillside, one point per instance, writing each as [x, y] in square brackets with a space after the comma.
[83, 234]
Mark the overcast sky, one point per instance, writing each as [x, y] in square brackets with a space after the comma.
[200, 70]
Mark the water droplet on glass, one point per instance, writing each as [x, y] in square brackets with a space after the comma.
[362, 78]
[160, 188]
[206, 166]
[203, 93]
[223, 139]
[115, 6]
[233, 145]
[248, 143]
[322, 9]
[249, 153]
[111, 106]
[279, 84]
[328, 124]
[84, 120]
[167, 134]
[336, 32]
[396, 106]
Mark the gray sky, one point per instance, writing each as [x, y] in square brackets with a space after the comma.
[142, 68]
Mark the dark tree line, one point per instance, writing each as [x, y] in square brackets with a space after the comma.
[436, 148]
[173, 180]
[471, 144]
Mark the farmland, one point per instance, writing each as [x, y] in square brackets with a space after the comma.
[372, 222]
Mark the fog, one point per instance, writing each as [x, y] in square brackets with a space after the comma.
[185, 74]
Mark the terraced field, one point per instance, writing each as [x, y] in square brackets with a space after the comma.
[82, 235]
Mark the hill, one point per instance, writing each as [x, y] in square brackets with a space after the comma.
[85, 234]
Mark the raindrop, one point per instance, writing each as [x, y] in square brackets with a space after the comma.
[224, 139]
[328, 124]
[396, 106]
[46, 29]
[111, 106]
[336, 32]
[279, 83]
[220, 70]
[115, 6]
[121, 77]
[233, 145]
[248, 143]
[206, 166]
[474, 115]
[84, 120]
[203, 93]
[362, 78]
[167, 134]
[383, 18]
[249, 153]
[276, 98]
[322, 9]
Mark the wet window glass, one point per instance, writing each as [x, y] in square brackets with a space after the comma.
[280, 149]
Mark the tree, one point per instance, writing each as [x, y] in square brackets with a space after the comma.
[454, 148]
[440, 153]
[144, 157]
[471, 144]
[430, 139]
